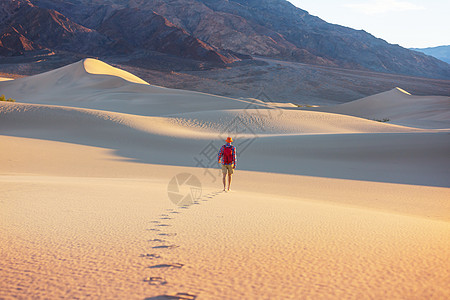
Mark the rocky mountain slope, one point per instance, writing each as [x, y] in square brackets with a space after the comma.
[26, 27]
[268, 28]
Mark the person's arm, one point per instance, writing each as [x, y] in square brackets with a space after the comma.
[234, 157]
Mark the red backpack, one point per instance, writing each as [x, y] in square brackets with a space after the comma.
[228, 155]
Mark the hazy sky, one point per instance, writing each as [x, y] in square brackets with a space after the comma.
[409, 23]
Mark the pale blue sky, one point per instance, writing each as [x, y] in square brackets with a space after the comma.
[409, 23]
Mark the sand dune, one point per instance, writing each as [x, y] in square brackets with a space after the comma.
[271, 139]
[399, 107]
[261, 122]
[324, 205]
[347, 147]
[96, 85]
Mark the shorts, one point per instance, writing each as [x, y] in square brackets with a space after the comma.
[228, 168]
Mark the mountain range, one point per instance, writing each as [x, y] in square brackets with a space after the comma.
[204, 33]
[440, 52]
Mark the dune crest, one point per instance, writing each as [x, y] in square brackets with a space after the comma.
[403, 91]
[97, 67]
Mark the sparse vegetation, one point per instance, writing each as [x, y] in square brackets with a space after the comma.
[2, 98]
[383, 120]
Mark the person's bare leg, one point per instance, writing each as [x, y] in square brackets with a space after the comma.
[229, 181]
[224, 180]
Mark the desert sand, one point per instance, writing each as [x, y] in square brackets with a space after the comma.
[399, 107]
[325, 204]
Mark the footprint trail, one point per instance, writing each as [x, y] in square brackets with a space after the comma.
[166, 244]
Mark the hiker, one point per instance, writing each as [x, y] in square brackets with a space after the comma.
[228, 155]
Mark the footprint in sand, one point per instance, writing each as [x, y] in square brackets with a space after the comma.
[177, 296]
[165, 247]
[155, 221]
[150, 256]
[172, 266]
[163, 225]
[165, 218]
[153, 229]
[185, 296]
[175, 212]
[155, 280]
[167, 234]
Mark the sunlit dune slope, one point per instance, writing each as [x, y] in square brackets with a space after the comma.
[399, 107]
[94, 66]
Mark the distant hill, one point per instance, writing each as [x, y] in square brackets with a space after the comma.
[440, 52]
